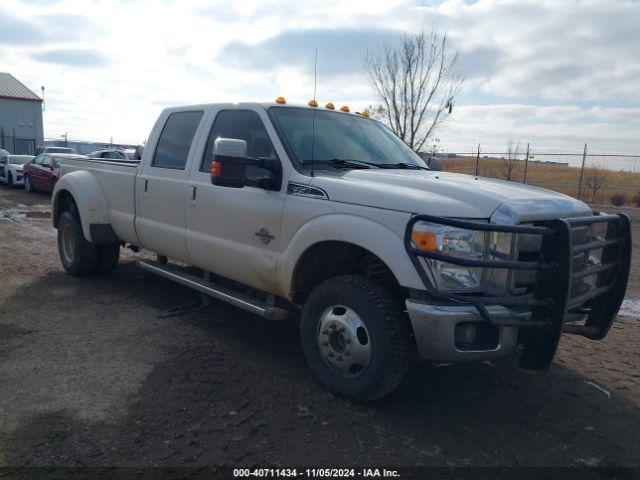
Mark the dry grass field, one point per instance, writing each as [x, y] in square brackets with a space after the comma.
[556, 177]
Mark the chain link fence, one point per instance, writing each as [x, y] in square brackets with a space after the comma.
[594, 177]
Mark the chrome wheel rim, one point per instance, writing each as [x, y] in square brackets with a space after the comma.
[344, 341]
[68, 243]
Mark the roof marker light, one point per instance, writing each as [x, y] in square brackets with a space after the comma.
[344, 108]
[280, 100]
[313, 103]
[330, 106]
[365, 113]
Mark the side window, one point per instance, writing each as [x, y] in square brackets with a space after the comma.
[242, 125]
[39, 159]
[175, 140]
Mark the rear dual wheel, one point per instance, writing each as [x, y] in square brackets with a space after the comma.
[355, 338]
[78, 256]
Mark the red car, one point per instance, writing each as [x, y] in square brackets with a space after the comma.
[44, 171]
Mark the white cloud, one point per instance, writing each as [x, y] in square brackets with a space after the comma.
[545, 71]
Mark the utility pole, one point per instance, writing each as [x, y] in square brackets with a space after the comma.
[43, 104]
[584, 158]
[66, 139]
[526, 164]
[477, 160]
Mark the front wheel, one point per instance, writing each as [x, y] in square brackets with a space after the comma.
[78, 256]
[27, 185]
[355, 338]
[10, 180]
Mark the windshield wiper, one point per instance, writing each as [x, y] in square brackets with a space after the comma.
[403, 165]
[342, 162]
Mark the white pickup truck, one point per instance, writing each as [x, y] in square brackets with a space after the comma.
[285, 209]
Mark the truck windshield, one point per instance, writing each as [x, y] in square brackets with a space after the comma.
[341, 140]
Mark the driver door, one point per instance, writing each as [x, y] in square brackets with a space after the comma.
[235, 232]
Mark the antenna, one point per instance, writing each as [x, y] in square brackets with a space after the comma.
[313, 117]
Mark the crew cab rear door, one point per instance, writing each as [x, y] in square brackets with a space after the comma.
[161, 185]
[235, 232]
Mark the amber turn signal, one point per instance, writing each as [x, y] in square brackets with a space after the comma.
[216, 169]
[280, 100]
[330, 106]
[344, 108]
[313, 103]
[424, 240]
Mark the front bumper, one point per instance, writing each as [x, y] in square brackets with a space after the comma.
[581, 275]
[434, 329]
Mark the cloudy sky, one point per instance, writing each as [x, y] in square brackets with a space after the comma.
[551, 72]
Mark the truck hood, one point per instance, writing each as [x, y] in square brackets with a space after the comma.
[447, 194]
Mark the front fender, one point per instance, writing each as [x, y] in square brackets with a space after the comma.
[88, 197]
[375, 237]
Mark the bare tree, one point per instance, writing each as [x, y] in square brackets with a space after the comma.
[416, 83]
[508, 165]
[596, 179]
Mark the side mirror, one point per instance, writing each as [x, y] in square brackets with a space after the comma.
[435, 163]
[229, 166]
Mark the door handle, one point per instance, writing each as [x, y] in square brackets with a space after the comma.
[193, 192]
[146, 185]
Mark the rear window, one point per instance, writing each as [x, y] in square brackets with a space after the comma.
[175, 140]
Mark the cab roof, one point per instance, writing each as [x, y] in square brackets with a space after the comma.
[265, 105]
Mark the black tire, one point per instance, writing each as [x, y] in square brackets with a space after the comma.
[107, 258]
[79, 257]
[387, 332]
[10, 180]
[27, 185]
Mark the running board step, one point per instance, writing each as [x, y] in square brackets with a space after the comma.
[236, 299]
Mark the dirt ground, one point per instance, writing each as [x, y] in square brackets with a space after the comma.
[92, 375]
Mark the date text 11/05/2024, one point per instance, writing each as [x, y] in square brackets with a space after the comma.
[316, 473]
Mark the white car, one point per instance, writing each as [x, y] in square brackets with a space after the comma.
[11, 168]
[329, 215]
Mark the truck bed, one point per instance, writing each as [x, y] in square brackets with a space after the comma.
[117, 181]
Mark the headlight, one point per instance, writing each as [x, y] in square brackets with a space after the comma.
[455, 242]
